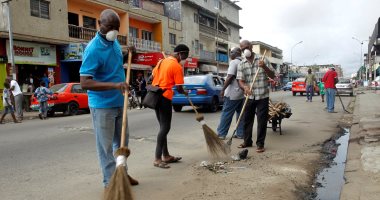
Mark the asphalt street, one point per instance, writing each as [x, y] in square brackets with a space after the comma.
[56, 158]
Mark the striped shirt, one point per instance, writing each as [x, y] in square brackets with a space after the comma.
[246, 72]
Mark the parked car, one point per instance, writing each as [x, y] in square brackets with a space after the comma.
[344, 86]
[203, 90]
[288, 86]
[68, 98]
[375, 84]
[299, 86]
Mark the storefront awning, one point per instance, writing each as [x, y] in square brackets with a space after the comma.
[138, 66]
[208, 68]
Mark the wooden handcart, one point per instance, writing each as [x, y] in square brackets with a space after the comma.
[277, 112]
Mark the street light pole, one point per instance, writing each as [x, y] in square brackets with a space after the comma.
[291, 55]
[217, 43]
[361, 54]
[8, 8]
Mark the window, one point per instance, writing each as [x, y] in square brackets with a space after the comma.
[172, 38]
[196, 18]
[135, 3]
[146, 35]
[196, 46]
[217, 4]
[73, 19]
[89, 22]
[133, 32]
[201, 46]
[40, 8]
[76, 88]
[205, 1]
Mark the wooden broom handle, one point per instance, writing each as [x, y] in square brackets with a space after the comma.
[247, 97]
[125, 108]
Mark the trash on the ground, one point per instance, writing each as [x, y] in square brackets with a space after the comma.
[243, 154]
[219, 167]
[235, 157]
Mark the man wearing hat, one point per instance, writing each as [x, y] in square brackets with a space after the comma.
[330, 79]
[167, 74]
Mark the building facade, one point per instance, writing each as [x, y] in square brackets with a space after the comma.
[373, 56]
[210, 29]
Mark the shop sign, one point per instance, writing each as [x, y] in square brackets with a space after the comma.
[191, 63]
[73, 51]
[150, 59]
[32, 53]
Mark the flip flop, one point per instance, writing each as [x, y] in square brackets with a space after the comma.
[162, 165]
[244, 146]
[173, 159]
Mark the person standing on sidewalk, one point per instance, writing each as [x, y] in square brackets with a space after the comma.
[310, 82]
[141, 83]
[8, 107]
[321, 86]
[330, 79]
[42, 96]
[102, 74]
[233, 98]
[167, 74]
[258, 102]
[18, 97]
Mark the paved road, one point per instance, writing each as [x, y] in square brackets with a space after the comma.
[56, 158]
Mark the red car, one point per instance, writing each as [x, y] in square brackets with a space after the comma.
[299, 85]
[68, 98]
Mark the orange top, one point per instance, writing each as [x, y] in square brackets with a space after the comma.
[170, 73]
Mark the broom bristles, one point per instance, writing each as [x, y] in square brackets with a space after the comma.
[119, 186]
[215, 146]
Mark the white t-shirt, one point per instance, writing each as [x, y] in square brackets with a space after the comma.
[233, 91]
[17, 89]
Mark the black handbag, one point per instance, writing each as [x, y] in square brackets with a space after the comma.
[153, 96]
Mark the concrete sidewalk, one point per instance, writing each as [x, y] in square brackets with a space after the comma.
[362, 171]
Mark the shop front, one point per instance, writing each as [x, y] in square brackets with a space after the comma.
[143, 63]
[191, 66]
[71, 61]
[3, 69]
[34, 60]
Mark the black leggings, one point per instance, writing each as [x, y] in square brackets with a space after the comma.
[164, 117]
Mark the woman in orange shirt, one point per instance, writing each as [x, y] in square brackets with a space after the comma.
[167, 74]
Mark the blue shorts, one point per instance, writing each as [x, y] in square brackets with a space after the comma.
[8, 109]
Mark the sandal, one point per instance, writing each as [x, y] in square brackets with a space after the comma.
[172, 159]
[162, 165]
[260, 149]
[244, 146]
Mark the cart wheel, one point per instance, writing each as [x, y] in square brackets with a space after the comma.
[274, 125]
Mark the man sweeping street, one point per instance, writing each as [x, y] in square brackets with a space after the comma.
[258, 102]
[233, 98]
[102, 74]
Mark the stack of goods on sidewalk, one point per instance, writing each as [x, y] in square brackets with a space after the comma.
[279, 110]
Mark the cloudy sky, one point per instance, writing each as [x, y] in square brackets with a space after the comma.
[326, 28]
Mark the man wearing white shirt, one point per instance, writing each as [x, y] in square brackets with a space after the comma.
[18, 96]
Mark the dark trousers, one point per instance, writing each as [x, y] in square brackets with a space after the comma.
[142, 96]
[260, 108]
[164, 117]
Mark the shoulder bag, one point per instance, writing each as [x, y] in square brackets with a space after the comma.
[154, 94]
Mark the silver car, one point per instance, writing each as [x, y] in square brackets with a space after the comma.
[344, 86]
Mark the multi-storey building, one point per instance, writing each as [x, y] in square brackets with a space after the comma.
[210, 29]
[50, 36]
[373, 58]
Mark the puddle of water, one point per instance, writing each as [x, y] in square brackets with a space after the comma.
[331, 179]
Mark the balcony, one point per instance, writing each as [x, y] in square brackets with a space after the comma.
[88, 33]
[207, 55]
[211, 31]
[144, 45]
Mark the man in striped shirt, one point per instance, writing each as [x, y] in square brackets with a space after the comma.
[258, 96]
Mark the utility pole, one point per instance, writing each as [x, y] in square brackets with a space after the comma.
[217, 43]
[8, 8]
[291, 55]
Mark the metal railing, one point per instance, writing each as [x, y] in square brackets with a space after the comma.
[144, 45]
[211, 31]
[207, 55]
[88, 33]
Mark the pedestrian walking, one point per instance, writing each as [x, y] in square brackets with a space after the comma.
[141, 86]
[46, 80]
[42, 94]
[321, 86]
[7, 104]
[167, 74]
[258, 102]
[330, 79]
[102, 74]
[18, 97]
[233, 98]
[310, 82]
